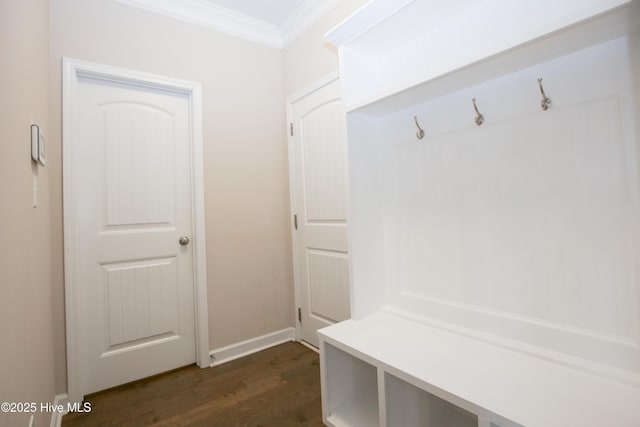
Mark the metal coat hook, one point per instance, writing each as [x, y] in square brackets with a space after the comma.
[420, 133]
[546, 102]
[479, 117]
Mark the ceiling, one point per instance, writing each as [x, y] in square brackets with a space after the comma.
[274, 23]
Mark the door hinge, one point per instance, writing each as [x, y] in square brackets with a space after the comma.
[299, 315]
[291, 128]
[295, 221]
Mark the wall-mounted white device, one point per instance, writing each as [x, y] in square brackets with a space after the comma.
[37, 145]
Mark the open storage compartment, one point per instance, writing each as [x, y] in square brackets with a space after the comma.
[410, 406]
[352, 389]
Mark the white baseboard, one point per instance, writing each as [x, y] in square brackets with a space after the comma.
[235, 351]
[310, 347]
[56, 417]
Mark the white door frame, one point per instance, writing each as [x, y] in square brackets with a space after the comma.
[297, 282]
[72, 71]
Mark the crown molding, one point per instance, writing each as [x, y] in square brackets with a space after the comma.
[205, 14]
[364, 19]
[304, 17]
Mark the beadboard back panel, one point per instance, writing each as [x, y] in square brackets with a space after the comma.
[525, 227]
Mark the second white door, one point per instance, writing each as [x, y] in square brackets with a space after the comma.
[319, 201]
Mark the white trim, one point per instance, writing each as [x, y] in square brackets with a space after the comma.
[205, 14]
[56, 416]
[235, 351]
[72, 69]
[295, 97]
[309, 346]
[318, 84]
[209, 15]
[550, 355]
[293, 210]
[199, 232]
[364, 19]
[303, 18]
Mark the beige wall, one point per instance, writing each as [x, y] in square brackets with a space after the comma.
[245, 157]
[27, 368]
[245, 154]
[310, 57]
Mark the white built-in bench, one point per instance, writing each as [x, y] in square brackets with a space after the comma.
[390, 370]
[495, 263]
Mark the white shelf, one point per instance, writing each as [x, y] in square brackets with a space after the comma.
[416, 51]
[502, 386]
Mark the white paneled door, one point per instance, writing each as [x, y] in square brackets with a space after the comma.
[135, 260]
[319, 204]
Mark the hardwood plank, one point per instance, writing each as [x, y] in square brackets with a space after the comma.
[279, 386]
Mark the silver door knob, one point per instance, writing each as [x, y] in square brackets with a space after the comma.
[184, 240]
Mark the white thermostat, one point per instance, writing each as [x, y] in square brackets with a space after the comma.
[37, 145]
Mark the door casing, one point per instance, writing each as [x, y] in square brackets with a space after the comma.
[73, 70]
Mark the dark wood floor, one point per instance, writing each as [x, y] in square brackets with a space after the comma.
[276, 387]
